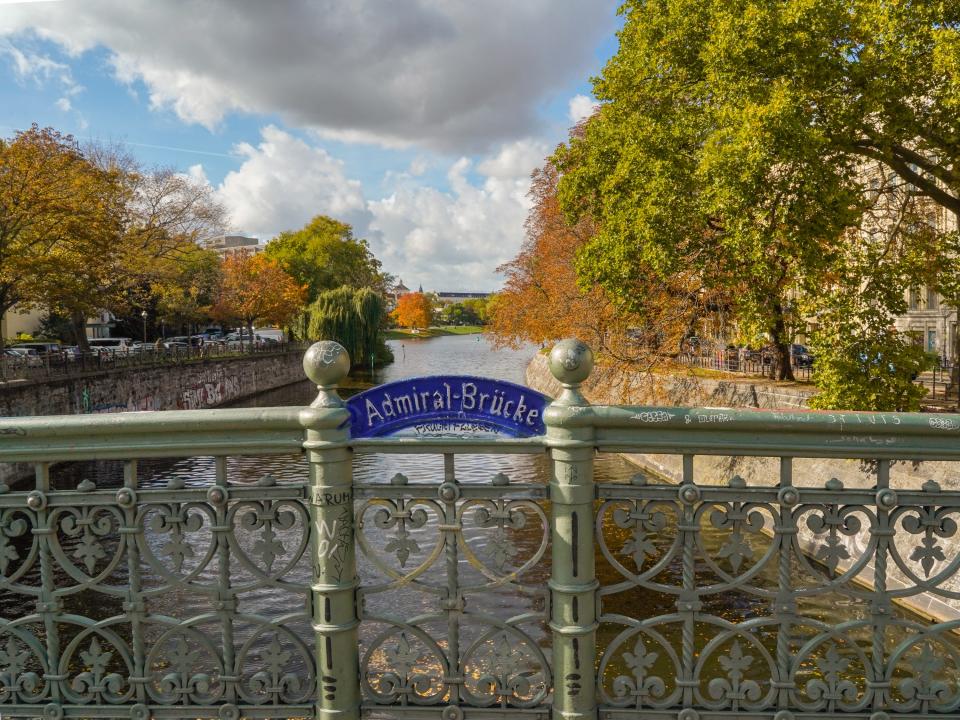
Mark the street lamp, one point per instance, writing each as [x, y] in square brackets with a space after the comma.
[144, 316]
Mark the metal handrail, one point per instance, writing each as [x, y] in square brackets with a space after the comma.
[881, 545]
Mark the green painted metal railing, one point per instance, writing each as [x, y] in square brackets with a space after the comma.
[587, 599]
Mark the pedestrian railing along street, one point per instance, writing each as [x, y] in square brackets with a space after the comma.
[423, 595]
[49, 366]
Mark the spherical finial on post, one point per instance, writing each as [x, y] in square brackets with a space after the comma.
[326, 363]
[570, 362]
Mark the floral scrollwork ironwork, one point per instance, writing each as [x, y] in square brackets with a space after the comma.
[735, 687]
[97, 681]
[830, 686]
[934, 526]
[643, 686]
[14, 522]
[738, 519]
[505, 668]
[926, 685]
[411, 671]
[402, 544]
[16, 677]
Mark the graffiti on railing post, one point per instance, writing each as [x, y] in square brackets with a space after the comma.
[330, 501]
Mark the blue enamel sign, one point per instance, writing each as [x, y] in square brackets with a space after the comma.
[448, 403]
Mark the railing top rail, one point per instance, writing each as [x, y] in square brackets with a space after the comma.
[669, 430]
[799, 433]
[172, 433]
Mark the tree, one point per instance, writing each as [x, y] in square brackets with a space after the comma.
[352, 317]
[414, 310]
[733, 134]
[60, 218]
[186, 287]
[543, 299]
[324, 255]
[256, 289]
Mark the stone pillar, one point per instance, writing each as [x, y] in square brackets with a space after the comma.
[330, 499]
[573, 580]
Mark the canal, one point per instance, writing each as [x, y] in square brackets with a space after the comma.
[282, 544]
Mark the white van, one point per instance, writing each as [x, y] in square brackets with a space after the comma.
[269, 334]
[112, 346]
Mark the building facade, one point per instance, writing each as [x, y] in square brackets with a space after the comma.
[229, 244]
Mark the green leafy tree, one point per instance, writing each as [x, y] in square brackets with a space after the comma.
[188, 286]
[351, 316]
[324, 255]
[862, 362]
[732, 137]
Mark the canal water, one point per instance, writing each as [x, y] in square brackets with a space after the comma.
[469, 354]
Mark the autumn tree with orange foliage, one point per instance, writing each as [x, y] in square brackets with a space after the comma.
[414, 310]
[543, 300]
[256, 289]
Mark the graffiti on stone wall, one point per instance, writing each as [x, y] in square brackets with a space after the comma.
[208, 393]
[133, 404]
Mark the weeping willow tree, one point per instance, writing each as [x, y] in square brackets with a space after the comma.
[352, 317]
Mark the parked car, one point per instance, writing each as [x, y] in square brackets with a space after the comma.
[800, 356]
[190, 340]
[110, 346]
[51, 352]
[235, 339]
[27, 357]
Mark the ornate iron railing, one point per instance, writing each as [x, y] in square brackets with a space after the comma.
[429, 594]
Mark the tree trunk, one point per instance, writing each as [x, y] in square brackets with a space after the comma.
[250, 334]
[6, 304]
[79, 321]
[782, 369]
[955, 366]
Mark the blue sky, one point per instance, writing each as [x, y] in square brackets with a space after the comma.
[419, 126]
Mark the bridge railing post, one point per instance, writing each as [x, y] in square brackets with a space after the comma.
[330, 501]
[573, 578]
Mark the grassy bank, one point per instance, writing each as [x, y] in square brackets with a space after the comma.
[402, 334]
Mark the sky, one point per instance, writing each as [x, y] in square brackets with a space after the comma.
[416, 121]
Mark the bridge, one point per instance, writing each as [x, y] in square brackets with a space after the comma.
[560, 598]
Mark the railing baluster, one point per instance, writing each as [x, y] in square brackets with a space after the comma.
[454, 603]
[227, 601]
[134, 606]
[573, 578]
[785, 607]
[880, 606]
[688, 603]
[334, 588]
[49, 604]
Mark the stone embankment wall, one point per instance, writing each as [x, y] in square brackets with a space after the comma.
[686, 391]
[193, 385]
[677, 390]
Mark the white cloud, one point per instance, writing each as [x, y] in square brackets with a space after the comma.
[38, 67]
[581, 107]
[454, 240]
[198, 174]
[64, 104]
[283, 182]
[443, 240]
[454, 75]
